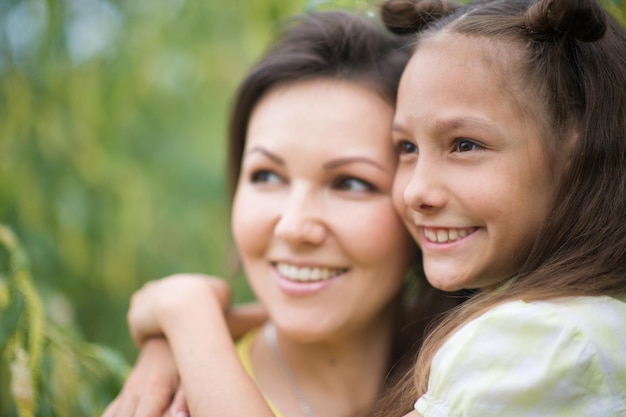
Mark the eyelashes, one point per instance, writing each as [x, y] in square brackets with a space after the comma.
[461, 145]
[467, 145]
[341, 183]
[265, 177]
[404, 147]
[347, 183]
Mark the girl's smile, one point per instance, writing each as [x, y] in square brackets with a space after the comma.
[441, 235]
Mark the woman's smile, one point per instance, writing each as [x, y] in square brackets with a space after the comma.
[307, 273]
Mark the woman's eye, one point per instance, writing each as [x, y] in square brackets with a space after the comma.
[405, 147]
[465, 145]
[265, 177]
[353, 184]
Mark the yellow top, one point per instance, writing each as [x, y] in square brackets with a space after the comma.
[244, 347]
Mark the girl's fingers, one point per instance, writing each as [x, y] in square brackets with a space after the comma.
[179, 405]
[154, 401]
[111, 410]
[125, 404]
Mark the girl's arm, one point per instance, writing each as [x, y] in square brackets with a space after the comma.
[154, 381]
[150, 385]
[189, 311]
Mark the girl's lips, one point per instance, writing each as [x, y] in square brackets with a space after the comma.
[446, 235]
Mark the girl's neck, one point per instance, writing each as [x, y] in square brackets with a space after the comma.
[339, 377]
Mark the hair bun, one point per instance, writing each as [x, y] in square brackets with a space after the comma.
[583, 20]
[410, 16]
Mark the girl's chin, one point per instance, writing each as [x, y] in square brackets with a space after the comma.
[446, 283]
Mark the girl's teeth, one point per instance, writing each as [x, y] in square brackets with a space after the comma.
[307, 274]
[446, 235]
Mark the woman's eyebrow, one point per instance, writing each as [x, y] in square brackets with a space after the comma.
[268, 154]
[335, 163]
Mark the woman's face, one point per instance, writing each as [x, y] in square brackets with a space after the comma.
[474, 181]
[313, 219]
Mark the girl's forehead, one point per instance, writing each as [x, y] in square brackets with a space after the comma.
[503, 61]
[464, 70]
[500, 54]
[467, 56]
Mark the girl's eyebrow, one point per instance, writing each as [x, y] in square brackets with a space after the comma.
[464, 122]
[335, 163]
[267, 153]
[452, 124]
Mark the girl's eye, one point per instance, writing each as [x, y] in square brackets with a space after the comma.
[405, 147]
[465, 145]
[352, 184]
[265, 177]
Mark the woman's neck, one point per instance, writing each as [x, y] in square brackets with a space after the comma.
[340, 376]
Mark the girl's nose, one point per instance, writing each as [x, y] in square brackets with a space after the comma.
[425, 192]
[301, 220]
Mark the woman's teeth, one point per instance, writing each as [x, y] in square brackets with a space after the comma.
[307, 274]
[446, 235]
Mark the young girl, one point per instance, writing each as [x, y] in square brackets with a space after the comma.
[315, 226]
[511, 129]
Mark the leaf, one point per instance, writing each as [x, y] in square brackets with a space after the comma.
[9, 318]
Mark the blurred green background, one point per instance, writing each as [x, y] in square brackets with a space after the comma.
[112, 158]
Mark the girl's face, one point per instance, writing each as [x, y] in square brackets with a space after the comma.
[313, 218]
[474, 181]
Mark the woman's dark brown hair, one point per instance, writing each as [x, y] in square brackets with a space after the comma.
[336, 45]
[343, 46]
[574, 65]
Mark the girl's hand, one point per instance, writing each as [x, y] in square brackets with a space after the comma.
[150, 386]
[189, 310]
[171, 298]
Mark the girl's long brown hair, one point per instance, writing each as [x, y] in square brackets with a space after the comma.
[575, 64]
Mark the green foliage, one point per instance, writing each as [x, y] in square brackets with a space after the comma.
[617, 8]
[46, 369]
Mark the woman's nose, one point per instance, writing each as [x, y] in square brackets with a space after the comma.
[301, 220]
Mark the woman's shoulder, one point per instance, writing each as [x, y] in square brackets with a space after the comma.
[244, 347]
